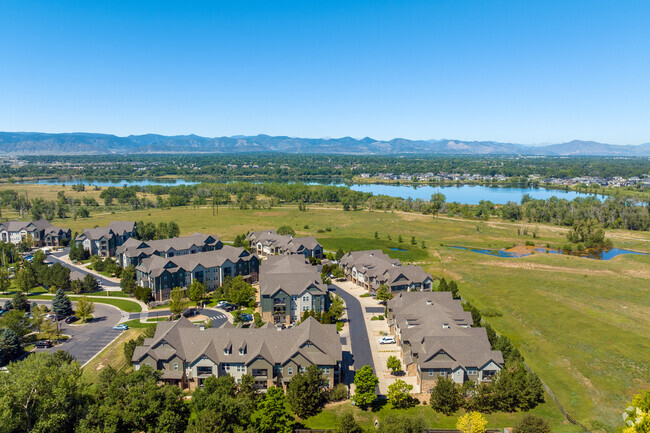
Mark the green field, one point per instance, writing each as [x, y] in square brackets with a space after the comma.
[582, 324]
[122, 304]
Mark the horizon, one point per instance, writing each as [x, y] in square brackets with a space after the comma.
[507, 71]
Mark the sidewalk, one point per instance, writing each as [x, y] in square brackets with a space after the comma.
[376, 329]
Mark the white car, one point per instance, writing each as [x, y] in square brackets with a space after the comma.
[387, 340]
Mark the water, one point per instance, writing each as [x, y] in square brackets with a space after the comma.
[517, 252]
[399, 249]
[464, 194]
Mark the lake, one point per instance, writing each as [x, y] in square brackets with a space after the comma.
[523, 251]
[465, 194]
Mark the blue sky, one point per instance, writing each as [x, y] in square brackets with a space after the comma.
[518, 71]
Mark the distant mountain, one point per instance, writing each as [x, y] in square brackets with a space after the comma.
[38, 143]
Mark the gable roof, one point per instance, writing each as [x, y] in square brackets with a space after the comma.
[292, 274]
[156, 265]
[115, 228]
[136, 247]
[285, 243]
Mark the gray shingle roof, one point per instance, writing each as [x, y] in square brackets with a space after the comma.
[286, 243]
[115, 228]
[133, 247]
[208, 259]
[292, 274]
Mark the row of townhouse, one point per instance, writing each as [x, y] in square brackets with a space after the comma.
[438, 340]
[187, 354]
[211, 268]
[373, 268]
[289, 286]
[42, 233]
[133, 251]
[104, 241]
[269, 242]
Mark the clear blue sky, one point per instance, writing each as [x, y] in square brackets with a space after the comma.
[521, 71]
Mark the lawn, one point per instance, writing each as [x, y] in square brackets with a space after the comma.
[582, 324]
[112, 355]
[122, 304]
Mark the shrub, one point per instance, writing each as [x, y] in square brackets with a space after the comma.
[338, 393]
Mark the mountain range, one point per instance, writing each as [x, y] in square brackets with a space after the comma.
[38, 143]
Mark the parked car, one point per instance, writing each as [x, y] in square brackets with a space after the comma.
[229, 307]
[246, 317]
[221, 304]
[191, 312]
[44, 344]
[121, 327]
[71, 319]
[387, 340]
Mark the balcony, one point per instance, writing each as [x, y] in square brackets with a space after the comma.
[260, 373]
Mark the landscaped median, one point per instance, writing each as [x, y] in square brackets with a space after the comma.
[122, 304]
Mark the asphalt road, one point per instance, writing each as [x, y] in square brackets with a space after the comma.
[55, 258]
[88, 339]
[361, 352]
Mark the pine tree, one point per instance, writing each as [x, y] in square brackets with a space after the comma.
[348, 425]
[61, 304]
[20, 302]
[442, 287]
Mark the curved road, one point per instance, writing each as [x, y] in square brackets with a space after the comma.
[55, 257]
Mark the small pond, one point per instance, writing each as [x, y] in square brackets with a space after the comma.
[523, 251]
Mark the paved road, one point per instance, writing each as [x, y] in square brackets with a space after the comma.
[361, 352]
[88, 339]
[216, 316]
[55, 257]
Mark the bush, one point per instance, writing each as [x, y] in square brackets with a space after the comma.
[338, 393]
[380, 317]
[532, 424]
[530, 243]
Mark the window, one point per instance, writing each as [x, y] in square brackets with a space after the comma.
[203, 370]
[443, 373]
[472, 371]
[227, 351]
[241, 369]
[290, 371]
[225, 367]
[241, 351]
[305, 308]
[432, 373]
[176, 366]
[325, 370]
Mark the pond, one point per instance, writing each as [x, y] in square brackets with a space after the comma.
[464, 194]
[523, 251]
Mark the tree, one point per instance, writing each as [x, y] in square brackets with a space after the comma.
[637, 414]
[177, 302]
[17, 321]
[20, 302]
[196, 292]
[339, 254]
[41, 393]
[399, 239]
[76, 286]
[532, 424]
[286, 230]
[413, 242]
[442, 286]
[445, 396]
[90, 283]
[10, 346]
[127, 279]
[85, 307]
[38, 316]
[347, 424]
[57, 276]
[142, 294]
[239, 291]
[5, 281]
[173, 230]
[393, 364]
[397, 424]
[61, 304]
[365, 383]
[25, 279]
[472, 422]
[383, 294]
[305, 392]
[399, 394]
[453, 288]
[50, 330]
[272, 416]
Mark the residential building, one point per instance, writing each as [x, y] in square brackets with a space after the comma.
[289, 286]
[103, 241]
[269, 242]
[162, 274]
[187, 354]
[133, 251]
[42, 233]
[371, 269]
[438, 340]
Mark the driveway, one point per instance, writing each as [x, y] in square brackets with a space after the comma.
[55, 257]
[359, 343]
[89, 339]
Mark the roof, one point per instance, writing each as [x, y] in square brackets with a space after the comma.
[182, 338]
[434, 323]
[285, 243]
[156, 265]
[381, 269]
[291, 274]
[115, 228]
[133, 247]
[40, 225]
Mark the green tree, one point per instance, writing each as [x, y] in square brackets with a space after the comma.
[196, 292]
[365, 383]
[38, 316]
[127, 279]
[5, 281]
[399, 239]
[10, 346]
[347, 424]
[61, 304]
[173, 230]
[442, 286]
[57, 276]
[393, 364]
[76, 286]
[413, 242]
[637, 414]
[399, 394]
[286, 230]
[85, 307]
[445, 396]
[239, 291]
[272, 415]
[177, 302]
[376, 235]
[453, 288]
[17, 321]
[41, 393]
[25, 279]
[305, 392]
[142, 294]
[339, 254]
[530, 423]
[383, 294]
[398, 424]
[90, 283]
[20, 302]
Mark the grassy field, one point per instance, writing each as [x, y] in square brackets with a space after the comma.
[112, 355]
[582, 324]
[122, 304]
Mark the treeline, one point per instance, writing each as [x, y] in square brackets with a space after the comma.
[38, 208]
[292, 166]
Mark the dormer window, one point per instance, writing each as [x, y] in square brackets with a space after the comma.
[227, 351]
[445, 326]
[241, 351]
